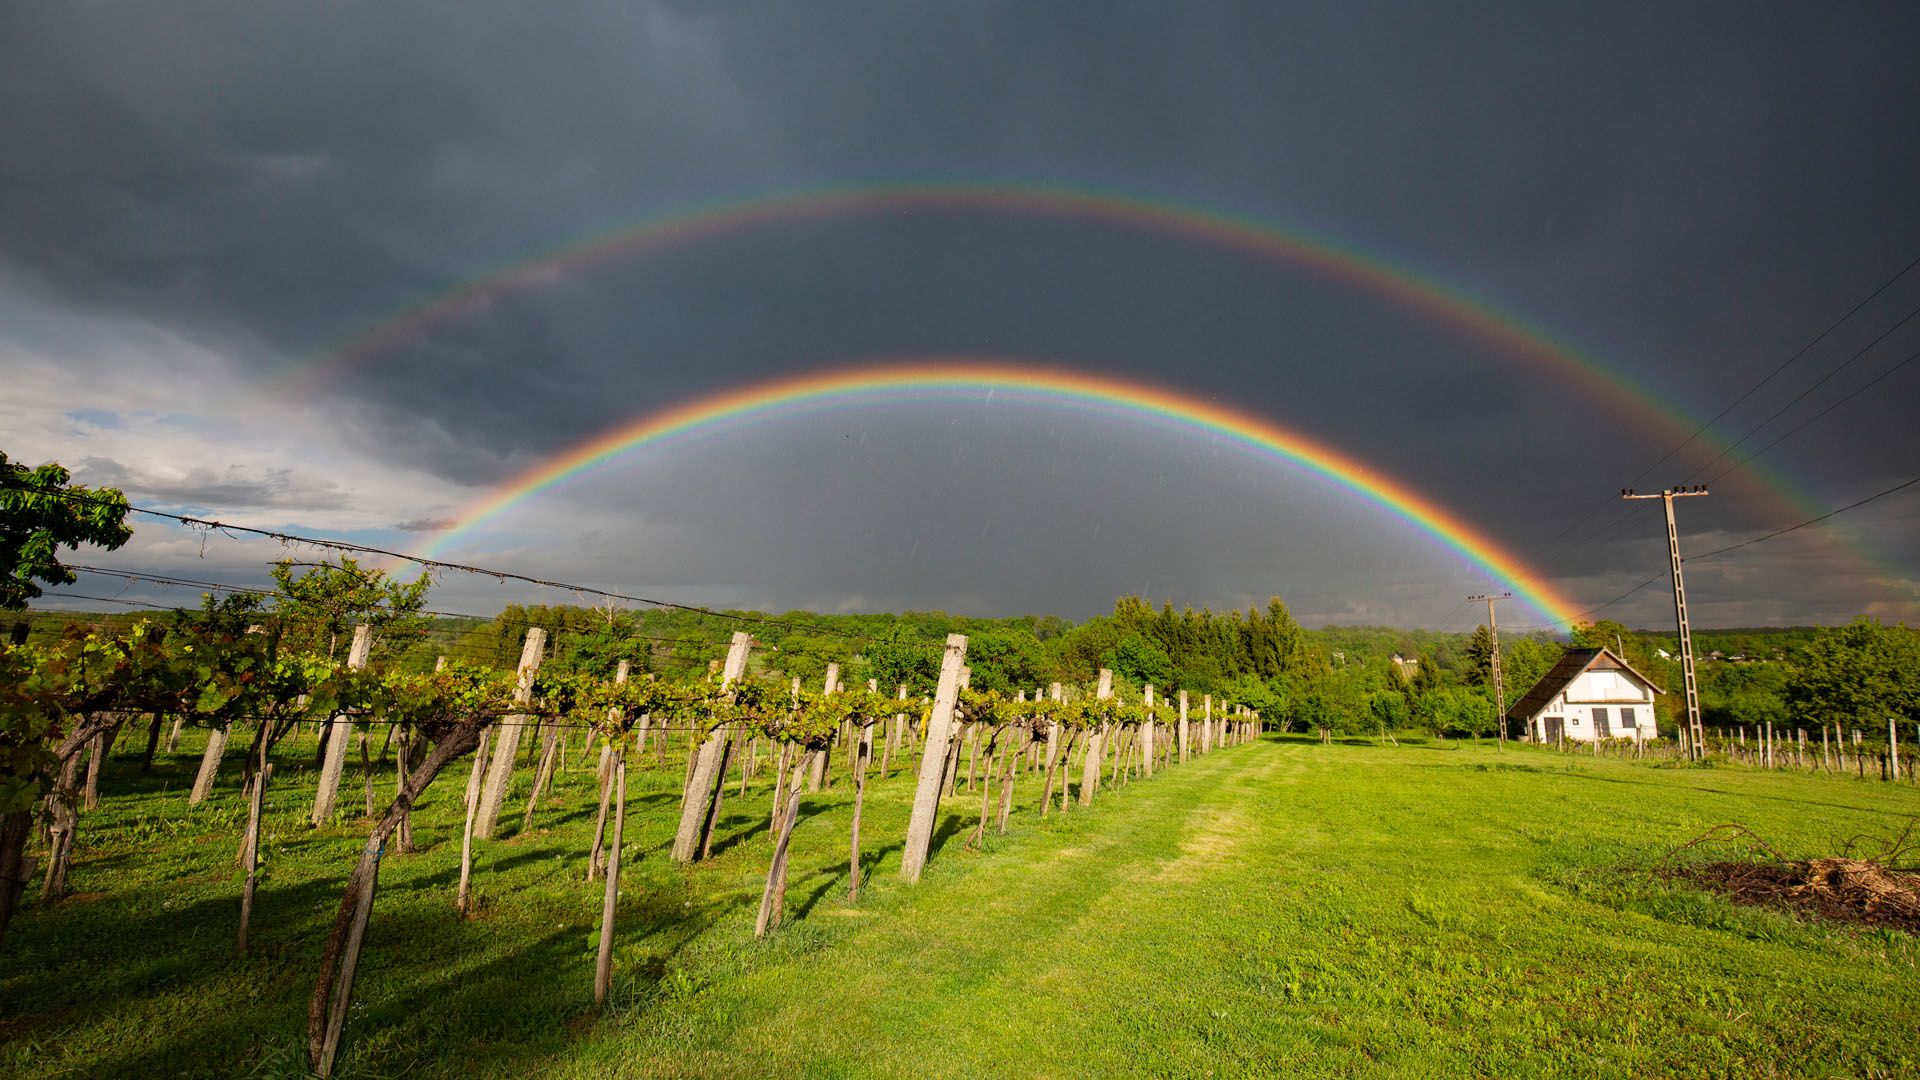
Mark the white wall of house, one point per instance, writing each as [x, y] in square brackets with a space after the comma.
[1617, 696]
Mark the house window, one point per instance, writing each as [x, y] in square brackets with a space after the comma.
[1600, 724]
[1626, 718]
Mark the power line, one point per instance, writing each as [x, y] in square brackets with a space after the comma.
[1811, 521]
[1784, 365]
[166, 580]
[1734, 404]
[432, 564]
[1735, 547]
[1790, 432]
[1797, 398]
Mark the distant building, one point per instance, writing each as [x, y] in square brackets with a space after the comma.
[1405, 668]
[1590, 694]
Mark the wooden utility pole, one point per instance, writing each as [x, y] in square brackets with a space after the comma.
[1499, 684]
[1696, 736]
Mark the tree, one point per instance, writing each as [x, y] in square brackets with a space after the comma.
[1860, 674]
[1609, 634]
[42, 511]
[893, 660]
[322, 603]
[1005, 660]
[1138, 659]
[599, 651]
[1479, 657]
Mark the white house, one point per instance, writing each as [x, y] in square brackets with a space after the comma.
[1590, 694]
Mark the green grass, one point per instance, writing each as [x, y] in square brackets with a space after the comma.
[1279, 909]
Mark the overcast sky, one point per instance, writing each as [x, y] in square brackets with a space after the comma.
[194, 197]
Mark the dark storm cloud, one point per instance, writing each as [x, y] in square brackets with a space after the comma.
[1693, 192]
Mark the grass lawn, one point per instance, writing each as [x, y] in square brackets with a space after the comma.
[1278, 909]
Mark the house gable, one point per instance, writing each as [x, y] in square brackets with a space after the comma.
[1588, 677]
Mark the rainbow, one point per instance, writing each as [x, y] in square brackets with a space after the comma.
[1332, 259]
[945, 379]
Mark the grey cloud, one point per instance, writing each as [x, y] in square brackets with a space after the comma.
[1688, 196]
[208, 487]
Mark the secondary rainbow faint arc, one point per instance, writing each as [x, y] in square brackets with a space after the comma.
[1324, 255]
[1065, 387]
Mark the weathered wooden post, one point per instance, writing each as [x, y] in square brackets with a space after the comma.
[933, 761]
[862, 754]
[476, 778]
[773, 897]
[493, 791]
[1206, 724]
[819, 759]
[250, 855]
[340, 732]
[709, 765]
[1096, 745]
[608, 770]
[603, 966]
[1893, 749]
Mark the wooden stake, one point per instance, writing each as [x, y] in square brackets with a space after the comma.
[252, 859]
[603, 968]
[462, 898]
[773, 898]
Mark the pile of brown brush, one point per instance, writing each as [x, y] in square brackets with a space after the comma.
[1876, 890]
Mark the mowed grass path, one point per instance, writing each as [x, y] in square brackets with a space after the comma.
[1278, 909]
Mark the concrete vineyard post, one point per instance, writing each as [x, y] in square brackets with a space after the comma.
[1183, 727]
[209, 764]
[1007, 773]
[1096, 745]
[1053, 754]
[821, 758]
[951, 768]
[1146, 736]
[340, 731]
[493, 792]
[1206, 723]
[707, 762]
[893, 736]
[933, 760]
